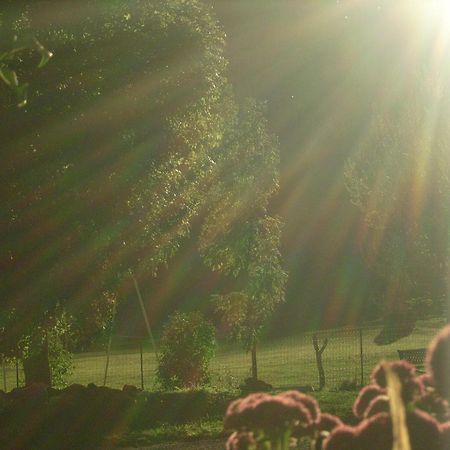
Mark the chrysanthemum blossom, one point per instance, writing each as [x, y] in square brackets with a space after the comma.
[424, 431]
[376, 432]
[328, 422]
[233, 419]
[412, 389]
[404, 370]
[426, 379]
[365, 396]
[342, 437]
[306, 401]
[265, 412]
[377, 405]
[276, 413]
[438, 362]
[435, 405]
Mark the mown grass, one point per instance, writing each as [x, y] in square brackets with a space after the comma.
[282, 362]
[338, 403]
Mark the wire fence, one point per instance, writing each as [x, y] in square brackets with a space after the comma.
[347, 357]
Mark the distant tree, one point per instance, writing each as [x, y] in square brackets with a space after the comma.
[239, 237]
[101, 169]
[401, 185]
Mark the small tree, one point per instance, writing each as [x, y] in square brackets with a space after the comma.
[239, 237]
[187, 346]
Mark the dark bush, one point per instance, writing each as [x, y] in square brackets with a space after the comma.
[252, 385]
[187, 346]
[84, 417]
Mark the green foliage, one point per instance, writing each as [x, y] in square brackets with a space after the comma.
[93, 322]
[107, 170]
[400, 183]
[61, 362]
[186, 348]
[13, 57]
[239, 237]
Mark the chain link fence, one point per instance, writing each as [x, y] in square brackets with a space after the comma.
[335, 359]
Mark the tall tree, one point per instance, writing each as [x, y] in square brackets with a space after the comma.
[100, 170]
[239, 237]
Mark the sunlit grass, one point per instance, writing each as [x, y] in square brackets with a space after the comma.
[284, 362]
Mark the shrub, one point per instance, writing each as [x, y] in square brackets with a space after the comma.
[187, 346]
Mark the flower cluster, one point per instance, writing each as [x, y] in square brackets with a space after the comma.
[264, 421]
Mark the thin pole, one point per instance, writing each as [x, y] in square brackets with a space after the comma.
[361, 355]
[108, 350]
[17, 372]
[4, 373]
[144, 314]
[142, 365]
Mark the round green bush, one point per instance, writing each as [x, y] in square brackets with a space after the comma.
[187, 346]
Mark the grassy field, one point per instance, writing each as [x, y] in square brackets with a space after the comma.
[283, 362]
[338, 403]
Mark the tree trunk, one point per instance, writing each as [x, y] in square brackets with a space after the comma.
[319, 350]
[254, 364]
[37, 367]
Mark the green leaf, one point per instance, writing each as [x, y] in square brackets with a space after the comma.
[45, 54]
[9, 76]
[22, 94]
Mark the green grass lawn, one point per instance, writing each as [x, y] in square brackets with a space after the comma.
[338, 403]
[282, 362]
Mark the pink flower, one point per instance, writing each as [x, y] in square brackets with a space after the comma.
[403, 369]
[377, 405]
[306, 401]
[328, 422]
[376, 432]
[438, 362]
[342, 437]
[365, 396]
[435, 405]
[264, 412]
[412, 389]
[426, 380]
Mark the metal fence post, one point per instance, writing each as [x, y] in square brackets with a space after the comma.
[108, 352]
[361, 356]
[142, 365]
[4, 374]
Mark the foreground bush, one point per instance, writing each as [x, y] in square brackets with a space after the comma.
[187, 346]
[88, 417]
[287, 420]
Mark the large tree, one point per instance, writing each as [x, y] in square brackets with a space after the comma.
[101, 169]
[239, 236]
[400, 182]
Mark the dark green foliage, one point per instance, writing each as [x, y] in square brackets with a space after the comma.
[399, 182]
[187, 346]
[239, 237]
[84, 417]
[101, 169]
